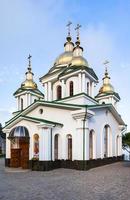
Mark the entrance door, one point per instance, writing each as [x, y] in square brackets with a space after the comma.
[24, 145]
[15, 158]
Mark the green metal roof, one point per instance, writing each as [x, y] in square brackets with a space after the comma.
[41, 120]
[37, 91]
[71, 69]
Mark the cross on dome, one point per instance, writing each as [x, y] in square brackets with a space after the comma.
[77, 29]
[68, 26]
[29, 59]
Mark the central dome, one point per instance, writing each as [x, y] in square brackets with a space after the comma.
[79, 61]
[64, 59]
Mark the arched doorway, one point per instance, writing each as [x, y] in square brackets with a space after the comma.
[91, 145]
[107, 141]
[19, 138]
[56, 147]
[69, 146]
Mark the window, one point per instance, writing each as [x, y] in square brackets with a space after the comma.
[69, 144]
[36, 146]
[88, 88]
[56, 146]
[21, 104]
[58, 92]
[91, 144]
[71, 88]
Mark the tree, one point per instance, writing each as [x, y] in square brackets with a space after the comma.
[126, 141]
[2, 134]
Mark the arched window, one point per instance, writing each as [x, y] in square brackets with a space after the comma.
[58, 92]
[36, 146]
[87, 88]
[21, 104]
[71, 88]
[91, 144]
[117, 145]
[56, 146]
[69, 146]
[105, 141]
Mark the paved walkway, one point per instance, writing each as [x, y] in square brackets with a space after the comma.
[110, 182]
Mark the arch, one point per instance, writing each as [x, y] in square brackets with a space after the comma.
[71, 88]
[107, 141]
[19, 139]
[59, 91]
[69, 147]
[92, 144]
[36, 146]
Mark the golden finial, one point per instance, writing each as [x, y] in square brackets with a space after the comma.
[29, 64]
[68, 25]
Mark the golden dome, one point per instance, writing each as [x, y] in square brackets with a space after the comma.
[79, 61]
[29, 84]
[64, 58]
[106, 88]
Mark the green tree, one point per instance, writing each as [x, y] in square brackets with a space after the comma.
[126, 141]
[1, 132]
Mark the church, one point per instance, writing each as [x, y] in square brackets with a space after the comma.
[67, 125]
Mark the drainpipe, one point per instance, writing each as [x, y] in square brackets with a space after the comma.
[51, 144]
[84, 120]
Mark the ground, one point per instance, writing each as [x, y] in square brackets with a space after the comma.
[102, 183]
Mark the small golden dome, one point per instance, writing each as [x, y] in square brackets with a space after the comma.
[29, 84]
[106, 88]
[64, 58]
[79, 61]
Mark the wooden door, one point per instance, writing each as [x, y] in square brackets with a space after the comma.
[24, 145]
[15, 160]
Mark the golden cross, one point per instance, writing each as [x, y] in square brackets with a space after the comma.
[68, 25]
[29, 58]
[106, 64]
[77, 29]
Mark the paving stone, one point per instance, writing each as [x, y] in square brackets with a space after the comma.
[102, 183]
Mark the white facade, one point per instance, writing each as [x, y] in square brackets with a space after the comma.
[70, 122]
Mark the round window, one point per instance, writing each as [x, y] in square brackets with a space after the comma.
[41, 111]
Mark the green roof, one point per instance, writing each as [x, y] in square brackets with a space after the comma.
[107, 94]
[71, 69]
[41, 120]
[37, 91]
[75, 96]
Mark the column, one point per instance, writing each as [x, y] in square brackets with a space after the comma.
[45, 92]
[79, 83]
[8, 145]
[83, 83]
[46, 142]
[63, 88]
[49, 92]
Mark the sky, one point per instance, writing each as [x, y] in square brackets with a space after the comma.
[39, 28]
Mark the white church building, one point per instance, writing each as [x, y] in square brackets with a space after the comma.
[67, 126]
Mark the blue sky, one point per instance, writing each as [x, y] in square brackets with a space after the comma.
[39, 28]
